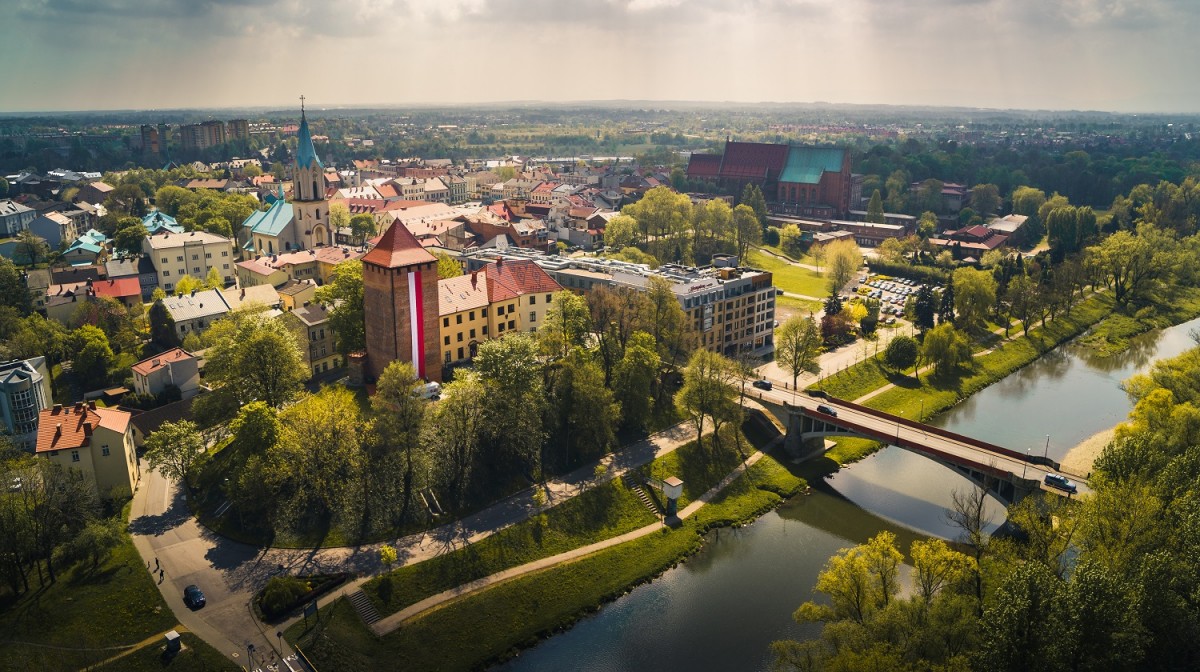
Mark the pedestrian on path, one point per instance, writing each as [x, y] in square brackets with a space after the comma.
[155, 562]
[162, 573]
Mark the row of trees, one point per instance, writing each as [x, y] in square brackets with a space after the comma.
[667, 226]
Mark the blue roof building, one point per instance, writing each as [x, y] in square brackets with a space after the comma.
[159, 221]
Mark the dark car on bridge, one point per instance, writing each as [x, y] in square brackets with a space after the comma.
[1061, 482]
[763, 384]
[826, 410]
[193, 597]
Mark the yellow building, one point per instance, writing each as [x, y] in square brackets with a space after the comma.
[503, 297]
[310, 322]
[96, 441]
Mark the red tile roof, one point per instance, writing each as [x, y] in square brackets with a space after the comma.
[118, 288]
[397, 248]
[62, 428]
[753, 159]
[150, 364]
[704, 165]
[510, 279]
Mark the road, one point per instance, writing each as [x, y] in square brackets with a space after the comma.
[230, 572]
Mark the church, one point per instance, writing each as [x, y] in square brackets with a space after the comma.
[302, 224]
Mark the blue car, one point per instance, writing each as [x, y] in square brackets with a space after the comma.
[1061, 482]
[193, 597]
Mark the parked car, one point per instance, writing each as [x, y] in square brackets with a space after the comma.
[1061, 482]
[193, 597]
[826, 410]
[763, 384]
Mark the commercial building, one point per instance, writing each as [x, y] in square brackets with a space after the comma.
[24, 392]
[95, 441]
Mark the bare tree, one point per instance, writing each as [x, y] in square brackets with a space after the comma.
[969, 514]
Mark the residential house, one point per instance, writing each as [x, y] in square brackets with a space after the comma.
[195, 312]
[295, 293]
[87, 250]
[14, 217]
[436, 191]
[24, 392]
[258, 271]
[175, 255]
[249, 298]
[95, 441]
[1012, 226]
[140, 267]
[94, 192]
[310, 322]
[61, 301]
[159, 221]
[55, 228]
[127, 291]
[37, 281]
[175, 367]
[463, 308]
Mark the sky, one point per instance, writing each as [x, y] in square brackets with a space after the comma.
[1112, 55]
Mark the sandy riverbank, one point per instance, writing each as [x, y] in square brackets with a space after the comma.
[1079, 459]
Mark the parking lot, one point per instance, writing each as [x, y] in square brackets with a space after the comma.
[892, 294]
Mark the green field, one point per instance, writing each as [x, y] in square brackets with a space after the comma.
[789, 278]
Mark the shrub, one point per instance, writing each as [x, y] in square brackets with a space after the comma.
[281, 594]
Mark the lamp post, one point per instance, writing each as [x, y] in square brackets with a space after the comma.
[1026, 464]
[1046, 454]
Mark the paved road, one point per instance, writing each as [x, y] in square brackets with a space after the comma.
[230, 572]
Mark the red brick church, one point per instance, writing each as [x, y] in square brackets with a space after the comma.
[801, 180]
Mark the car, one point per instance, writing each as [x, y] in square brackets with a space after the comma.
[193, 597]
[826, 410]
[819, 394]
[1061, 482]
[763, 384]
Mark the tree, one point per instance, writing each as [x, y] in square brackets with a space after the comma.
[747, 230]
[797, 346]
[927, 225]
[1024, 626]
[162, 327]
[171, 198]
[621, 232]
[447, 266]
[173, 449]
[339, 217]
[925, 308]
[1023, 300]
[946, 305]
[362, 227]
[453, 432]
[256, 358]
[752, 196]
[663, 218]
[30, 247]
[708, 393]
[320, 451]
[843, 260]
[670, 327]
[566, 326]
[616, 313]
[875, 208]
[633, 380]
[945, 347]
[12, 287]
[985, 199]
[187, 285]
[256, 426]
[512, 379]
[93, 356]
[1134, 263]
[974, 296]
[344, 292]
[129, 239]
[398, 413]
[220, 226]
[859, 581]
[937, 566]
[928, 196]
[902, 352]
[587, 412]
[251, 170]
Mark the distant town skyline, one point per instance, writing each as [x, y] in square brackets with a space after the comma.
[1109, 55]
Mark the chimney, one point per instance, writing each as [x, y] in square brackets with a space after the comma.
[58, 430]
[92, 405]
[79, 405]
[87, 429]
[57, 409]
[474, 279]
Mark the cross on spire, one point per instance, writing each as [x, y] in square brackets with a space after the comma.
[302, 102]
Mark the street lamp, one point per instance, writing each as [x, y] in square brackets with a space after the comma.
[1026, 464]
[1046, 455]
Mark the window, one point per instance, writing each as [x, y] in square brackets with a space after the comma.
[502, 327]
[104, 451]
[167, 274]
[512, 324]
[195, 257]
[447, 339]
[164, 260]
[458, 319]
[499, 310]
[485, 330]
[484, 312]
[511, 308]
[224, 253]
[532, 300]
[208, 255]
[226, 267]
[178, 258]
[533, 316]
[460, 353]
[459, 337]
[471, 316]
[549, 298]
[196, 270]
[74, 455]
[447, 356]
[445, 321]
[472, 333]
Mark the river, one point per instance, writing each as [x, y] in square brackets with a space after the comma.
[722, 608]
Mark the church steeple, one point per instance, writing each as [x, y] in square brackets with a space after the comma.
[308, 193]
[306, 154]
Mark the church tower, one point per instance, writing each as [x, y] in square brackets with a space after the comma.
[308, 192]
[400, 305]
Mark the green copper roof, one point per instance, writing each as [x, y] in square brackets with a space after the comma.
[306, 154]
[805, 164]
[272, 221]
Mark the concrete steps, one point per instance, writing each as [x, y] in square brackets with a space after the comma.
[362, 604]
[639, 491]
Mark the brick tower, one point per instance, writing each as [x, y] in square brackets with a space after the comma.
[400, 302]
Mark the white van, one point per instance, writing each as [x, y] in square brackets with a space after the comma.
[432, 391]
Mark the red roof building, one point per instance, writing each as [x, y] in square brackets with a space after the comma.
[400, 301]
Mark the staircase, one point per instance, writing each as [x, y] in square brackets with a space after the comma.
[362, 604]
[639, 490]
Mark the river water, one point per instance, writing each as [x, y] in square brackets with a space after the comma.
[722, 608]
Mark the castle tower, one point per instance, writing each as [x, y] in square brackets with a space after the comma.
[400, 305]
[308, 193]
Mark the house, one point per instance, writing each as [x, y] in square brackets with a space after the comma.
[139, 267]
[310, 323]
[296, 293]
[67, 274]
[259, 271]
[61, 301]
[87, 249]
[194, 253]
[195, 312]
[37, 281]
[175, 367]
[1012, 226]
[95, 441]
[248, 298]
[24, 392]
[147, 422]
[127, 290]
[95, 192]
[14, 217]
[55, 228]
[971, 241]
[463, 308]
[159, 221]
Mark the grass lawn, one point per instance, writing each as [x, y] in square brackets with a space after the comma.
[86, 612]
[805, 306]
[517, 613]
[789, 278]
[1111, 336]
[804, 259]
[195, 657]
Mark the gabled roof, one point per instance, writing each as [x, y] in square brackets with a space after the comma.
[273, 221]
[397, 247]
[118, 288]
[510, 279]
[805, 165]
[208, 303]
[465, 292]
[161, 360]
[160, 221]
[753, 160]
[62, 428]
[262, 295]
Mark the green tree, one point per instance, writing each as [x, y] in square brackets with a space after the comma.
[162, 327]
[1024, 625]
[985, 199]
[398, 411]
[859, 581]
[752, 196]
[171, 198]
[587, 412]
[747, 230]
[4, 187]
[362, 227]
[339, 217]
[798, 346]
[92, 356]
[320, 453]
[621, 232]
[663, 218]
[256, 426]
[843, 260]
[668, 324]
[1135, 263]
[945, 347]
[1023, 299]
[708, 394]
[875, 208]
[129, 239]
[974, 296]
[925, 308]
[634, 380]
[173, 449]
[12, 287]
[902, 352]
[256, 358]
[566, 326]
[512, 379]
[31, 247]
[453, 433]
[936, 567]
[344, 292]
[187, 284]
[447, 266]
[927, 225]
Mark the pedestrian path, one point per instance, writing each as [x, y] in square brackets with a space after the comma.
[394, 621]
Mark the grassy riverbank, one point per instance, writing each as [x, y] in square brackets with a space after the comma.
[924, 398]
[519, 612]
[1111, 335]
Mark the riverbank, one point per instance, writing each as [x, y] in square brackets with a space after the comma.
[1080, 459]
[1112, 335]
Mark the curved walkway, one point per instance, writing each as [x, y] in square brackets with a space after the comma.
[394, 621]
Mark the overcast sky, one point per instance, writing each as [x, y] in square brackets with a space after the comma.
[1119, 55]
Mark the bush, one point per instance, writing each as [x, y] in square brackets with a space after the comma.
[281, 594]
[923, 274]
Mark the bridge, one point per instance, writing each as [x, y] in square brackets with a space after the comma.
[1008, 475]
